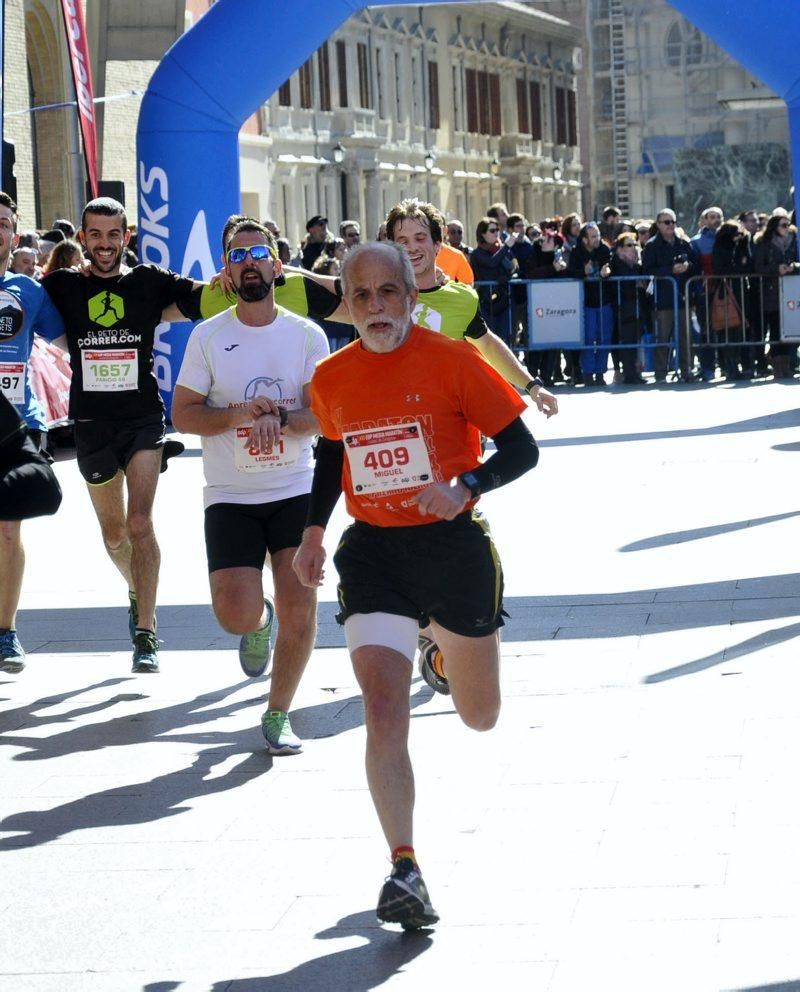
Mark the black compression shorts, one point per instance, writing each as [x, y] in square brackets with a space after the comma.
[447, 571]
[240, 534]
[104, 447]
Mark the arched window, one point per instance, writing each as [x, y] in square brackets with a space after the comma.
[683, 46]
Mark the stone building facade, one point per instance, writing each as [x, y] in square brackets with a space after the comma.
[671, 120]
[126, 42]
[462, 103]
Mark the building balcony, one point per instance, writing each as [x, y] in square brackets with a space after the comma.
[356, 123]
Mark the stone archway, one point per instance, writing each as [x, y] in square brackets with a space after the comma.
[50, 130]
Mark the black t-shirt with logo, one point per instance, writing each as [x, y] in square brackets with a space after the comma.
[110, 327]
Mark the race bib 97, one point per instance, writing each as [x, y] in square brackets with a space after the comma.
[383, 459]
[110, 371]
[12, 381]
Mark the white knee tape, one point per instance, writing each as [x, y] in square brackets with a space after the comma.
[386, 630]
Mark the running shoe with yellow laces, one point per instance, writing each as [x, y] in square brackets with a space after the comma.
[255, 649]
[404, 898]
[278, 733]
[431, 665]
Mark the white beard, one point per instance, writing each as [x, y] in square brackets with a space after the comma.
[384, 341]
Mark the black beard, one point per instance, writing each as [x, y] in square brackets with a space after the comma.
[111, 267]
[254, 292]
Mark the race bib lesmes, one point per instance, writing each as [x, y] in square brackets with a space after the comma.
[12, 381]
[110, 371]
[383, 459]
[250, 459]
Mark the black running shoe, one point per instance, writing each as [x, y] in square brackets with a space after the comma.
[404, 898]
[428, 649]
[170, 449]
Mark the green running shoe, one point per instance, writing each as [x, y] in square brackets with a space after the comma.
[12, 657]
[278, 733]
[255, 649]
[145, 653]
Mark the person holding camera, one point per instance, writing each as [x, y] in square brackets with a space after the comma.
[775, 254]
[667, 255]
[590, 260]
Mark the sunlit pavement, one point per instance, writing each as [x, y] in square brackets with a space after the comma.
[631, 824]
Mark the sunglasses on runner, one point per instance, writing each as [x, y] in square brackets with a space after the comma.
[256, 252]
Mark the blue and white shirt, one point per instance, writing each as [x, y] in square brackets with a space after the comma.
[25, 310]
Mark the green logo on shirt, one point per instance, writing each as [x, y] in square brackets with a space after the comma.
[106, 309]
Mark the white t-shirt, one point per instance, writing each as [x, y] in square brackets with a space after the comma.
[230, 363]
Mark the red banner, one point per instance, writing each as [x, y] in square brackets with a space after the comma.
[84, 90]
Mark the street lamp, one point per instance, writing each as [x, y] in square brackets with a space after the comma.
[430, 161]
[338, 153]
[494, 171]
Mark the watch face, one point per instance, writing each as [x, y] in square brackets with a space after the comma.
[471, 482]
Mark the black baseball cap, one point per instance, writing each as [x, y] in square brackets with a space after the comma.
[316, 219]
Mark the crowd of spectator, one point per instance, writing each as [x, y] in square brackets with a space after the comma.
[632, 326]
[641, 278]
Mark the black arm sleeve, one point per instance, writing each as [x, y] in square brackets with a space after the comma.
[28, 486]
[321, 301]
[326, 487]
[517, 452]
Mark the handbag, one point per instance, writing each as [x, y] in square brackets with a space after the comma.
[725, 309]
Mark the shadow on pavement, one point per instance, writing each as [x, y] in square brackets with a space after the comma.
[185, 627]
[356, 969]
[769, 422]
[766, 640]
[161, 796]
[141, 802]
[779, 987]
[82, 630]
[701, 533]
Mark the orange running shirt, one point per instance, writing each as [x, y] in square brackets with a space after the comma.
[456, 264]
[408, 418]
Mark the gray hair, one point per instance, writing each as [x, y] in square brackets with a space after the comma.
[393, 252]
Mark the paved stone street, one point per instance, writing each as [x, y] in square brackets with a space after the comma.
[631, 825]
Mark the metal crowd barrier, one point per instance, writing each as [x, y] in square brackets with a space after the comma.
[514, 322]
[730, 320]
[725, 321]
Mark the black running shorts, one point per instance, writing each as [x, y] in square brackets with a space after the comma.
[104, 447]
[447, 571]
[240, 534]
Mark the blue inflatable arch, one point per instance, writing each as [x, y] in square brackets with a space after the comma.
[221, 71]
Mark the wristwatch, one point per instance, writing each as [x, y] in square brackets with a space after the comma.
[537, 382]
[472, 483]
[284, 416]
